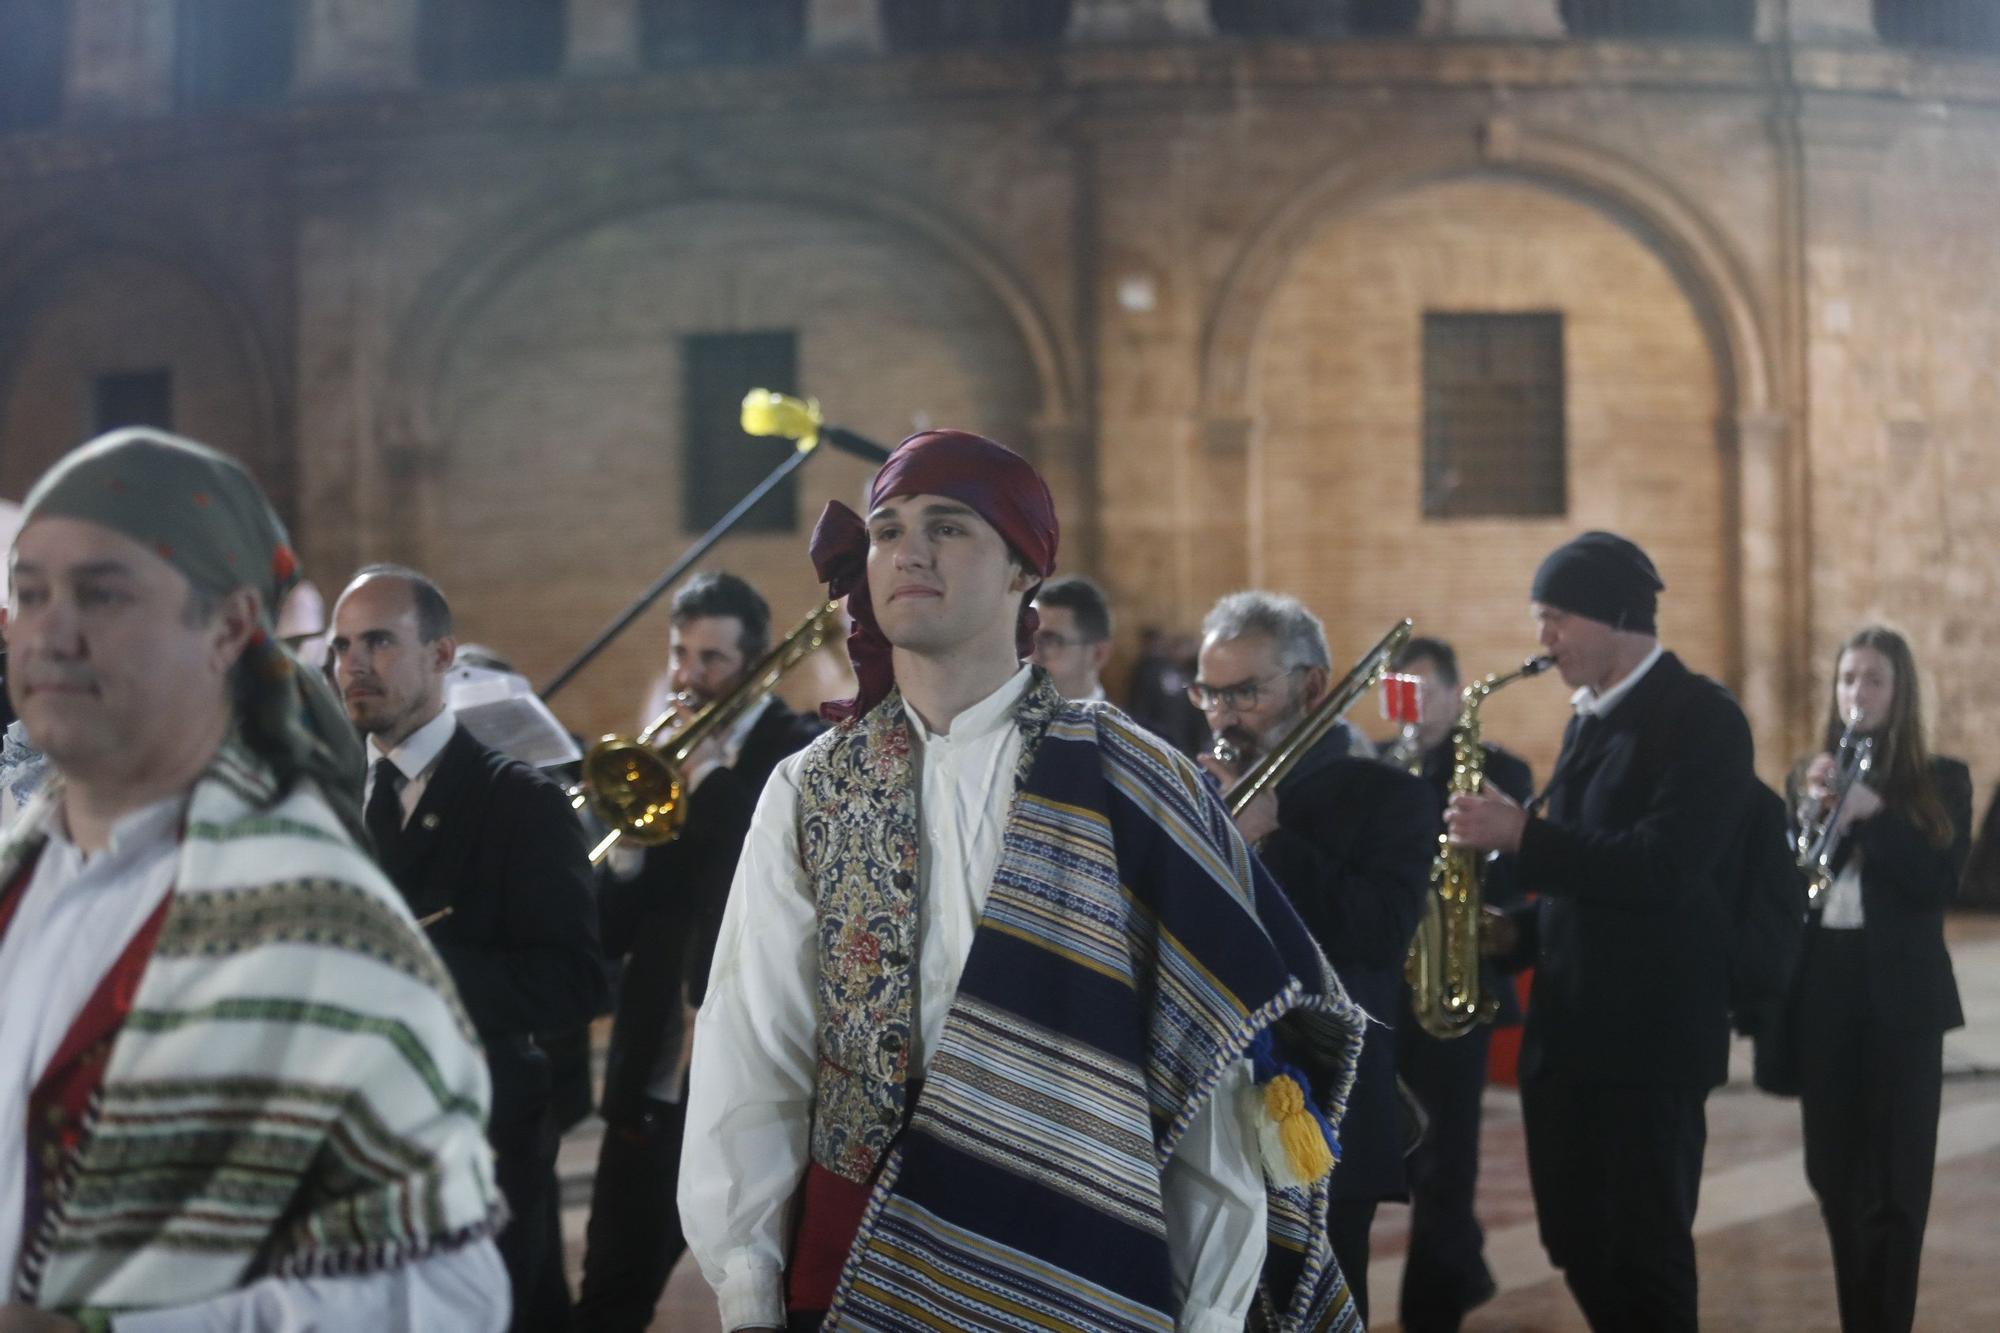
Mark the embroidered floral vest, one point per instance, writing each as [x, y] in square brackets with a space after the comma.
[858, 838]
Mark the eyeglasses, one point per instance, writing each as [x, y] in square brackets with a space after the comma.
[1049, 641]
[1239, 698]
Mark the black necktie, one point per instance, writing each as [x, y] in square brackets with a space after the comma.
[384, 815]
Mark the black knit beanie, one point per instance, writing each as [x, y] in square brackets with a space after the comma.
[1604, 577]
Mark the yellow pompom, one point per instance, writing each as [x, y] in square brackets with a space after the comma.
[1306, 1152]
[1282, 1098]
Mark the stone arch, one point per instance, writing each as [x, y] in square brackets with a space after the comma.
[494, 342]
[484, 264]
[36, 262]
[1763, 505]
[1694, 248]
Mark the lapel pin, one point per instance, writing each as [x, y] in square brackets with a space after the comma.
[430, 821]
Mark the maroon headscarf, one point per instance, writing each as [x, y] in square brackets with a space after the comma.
[999, 485]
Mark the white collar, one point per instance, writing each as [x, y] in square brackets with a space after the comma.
[419, 749]
[1589, 703]
[739, 731]
[991, 714]
[133, 834]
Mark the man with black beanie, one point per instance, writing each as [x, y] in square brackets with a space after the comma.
[1628, 1024]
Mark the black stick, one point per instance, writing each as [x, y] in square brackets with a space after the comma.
[839, 437]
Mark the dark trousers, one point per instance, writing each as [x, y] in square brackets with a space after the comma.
[1444, 1273]
[524, 1164]
[1615, 1172]
[1348, 1222]
[634, 1237]
[1869, 1098]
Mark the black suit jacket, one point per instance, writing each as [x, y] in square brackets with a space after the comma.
[1352, 852]
[1629, 937]
[1499, 885]
[496, 842]
[663, 921]
[1906, 884]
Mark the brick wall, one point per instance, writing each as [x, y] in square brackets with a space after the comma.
[472, 302]
[1335, 500]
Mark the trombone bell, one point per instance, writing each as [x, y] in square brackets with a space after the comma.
[633, 788]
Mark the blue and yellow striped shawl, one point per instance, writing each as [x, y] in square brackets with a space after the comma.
[1130, 950]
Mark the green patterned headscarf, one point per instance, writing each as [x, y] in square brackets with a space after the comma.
[203, 514]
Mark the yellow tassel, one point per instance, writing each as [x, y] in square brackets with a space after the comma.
[1306, 1151]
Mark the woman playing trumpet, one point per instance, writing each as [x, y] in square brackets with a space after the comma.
[1874, 994]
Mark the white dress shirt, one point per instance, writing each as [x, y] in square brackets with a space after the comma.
[1589, 703]
[750, 1095]
[415, 758]
[1842, 910]
[625, 859]
[76, 917]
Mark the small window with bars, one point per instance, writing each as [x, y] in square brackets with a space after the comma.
[234, 52]
[132, 398]
[1494, 443]
[34, 47]
[719, 463]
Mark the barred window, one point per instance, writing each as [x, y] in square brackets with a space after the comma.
[234, 52]
[1493, 416]
[489, 41]
[33, 50]
[1315, 18]
[679, 32]
[1972, 24]
[719, 463]
[925, 25]
[132, 398]
[1660, 18]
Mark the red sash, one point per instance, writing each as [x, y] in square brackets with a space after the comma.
[61, 1099]
[829, 1219]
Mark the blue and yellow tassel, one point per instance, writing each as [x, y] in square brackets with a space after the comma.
[1299, 1146]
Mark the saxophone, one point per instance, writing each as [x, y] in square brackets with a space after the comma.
[1443, 964]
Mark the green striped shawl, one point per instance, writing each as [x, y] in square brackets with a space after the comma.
[296, 1090]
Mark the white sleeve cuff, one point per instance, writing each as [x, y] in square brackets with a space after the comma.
[1195, 1319]
[752, 1295]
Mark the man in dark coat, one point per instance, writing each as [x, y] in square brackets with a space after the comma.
[1628, 1021]
[1444, 1271]
[1350, 842]
[492, 861]
[661, 908]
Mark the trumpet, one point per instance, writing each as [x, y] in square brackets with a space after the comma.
[1285, 756]
[1442, 967]
[1820, 830]
[635, 785]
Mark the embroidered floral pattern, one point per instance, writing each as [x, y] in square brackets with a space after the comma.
[858, 837]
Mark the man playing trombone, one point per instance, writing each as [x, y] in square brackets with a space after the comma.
[660, 908]
[1000, 961]
[1350, 842]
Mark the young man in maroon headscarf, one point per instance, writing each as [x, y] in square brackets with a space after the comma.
[989, 1031]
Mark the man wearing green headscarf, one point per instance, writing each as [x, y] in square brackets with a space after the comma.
[237, 1088]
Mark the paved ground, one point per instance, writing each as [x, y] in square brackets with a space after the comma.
[1763, 1256]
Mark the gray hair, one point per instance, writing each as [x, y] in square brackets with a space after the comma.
[1300, 636]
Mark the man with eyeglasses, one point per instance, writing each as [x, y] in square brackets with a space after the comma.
[1350, 842]
[1074, 640]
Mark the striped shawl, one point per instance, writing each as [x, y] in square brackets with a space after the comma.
[1130, 950]
[295, 1090]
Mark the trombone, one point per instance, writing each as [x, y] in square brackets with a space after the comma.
[1360, 678]
[635, 785]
